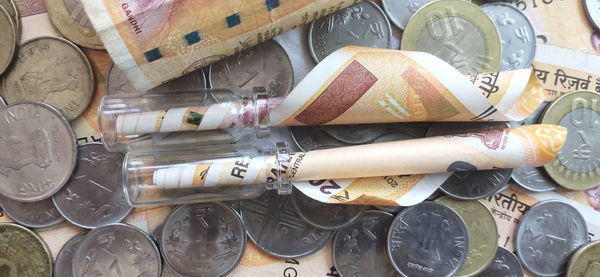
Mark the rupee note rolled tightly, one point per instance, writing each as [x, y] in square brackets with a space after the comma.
[532, 145]
[155, 41]
[353, 85]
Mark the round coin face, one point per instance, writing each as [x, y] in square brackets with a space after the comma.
[13, 11]
[94, 195]
[8, 39]
[505, 263]
[69, 17]
[592, 8]
[362, 24]
[117, 250]
[483, 233]
[117, 83]
[547, 235]
[51, 70]
[206, 239]
[38, 151]
[585, 261]
[576, 165]
[275, 227]
[458, 32]
[63, 266]
[517, 35]
[24, 253]
[359, 248]
[399, 12]
[38, 214]
[325, 216]
[265, 65]
[428, 239]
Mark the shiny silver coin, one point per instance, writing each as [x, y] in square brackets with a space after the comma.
[548, 234]
[2, 103]
[428, 239]
[325, 216]
[117, 250]
[466, 184]
[516, 32]
[504, 264]
[63, 266]
[94, 196]
[359, 249]
[275, 227]
[399, 12]
[205, 239]
[38, 151]
[40, 214]
[592, 9]
[362, 24]
[265, 65]
[117, 83]
[355, 134]
[389, 209]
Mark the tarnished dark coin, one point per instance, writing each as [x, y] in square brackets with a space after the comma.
[275, 227]
[94, 196]
[585, 261]
[63, 266]
[505, 264]
[117, 83]
[205, 239]
[117, 250]
[265, 65]
[38, 151]
[389, 209]
[23, 253]
[548, 234]
[468, 184]
[38, 214]
[428, 239]
[325, 216]
[359, 248]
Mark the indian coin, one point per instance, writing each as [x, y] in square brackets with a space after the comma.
[577, 164]
[458, 32]
[325, 216]
[468, 184]
[516, 32]
[362, 24]
[359, 248]
[586, 261]
[505, 264]
[63, 266]
[206, 239]
[428, 239]
[51, 70]
[117, 250]
[592, 9]
[356, 133]
[274, 226]
[70, 19]
[309, 138]
[483, 233]
[38, 151]
[2, 103]
[547, 236]
[94, 196]
[13, 11]
[389, 209]
[117, 83]
[24, 252]
[169, 272]
[399, 12]
[265, 65]
[38, 214]
[8, 39]
[533, 178]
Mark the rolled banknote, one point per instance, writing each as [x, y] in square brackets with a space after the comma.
[155, 41]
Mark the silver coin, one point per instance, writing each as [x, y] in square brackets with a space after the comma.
[205, 239]
[359, 249]
[325, 216]
[548, 234]
[38, 151]
[389, 209]
[2, 102]
[275, 227]
[63, 266]
[355, 134]
[117, 250]
[428, 239]
[504, 264]
[592, 9]
[399, 12]
[169, 272]
[309, 138]
[516, 32]
[117, 83]
[362, 24]
[40, 214]
[265, 65]
[94, 196]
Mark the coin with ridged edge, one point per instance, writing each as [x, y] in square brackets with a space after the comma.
[23, 253]
[71, 20]
[586, 261]
[8, 39]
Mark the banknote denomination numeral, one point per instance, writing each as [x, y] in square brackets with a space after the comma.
[325, 188]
